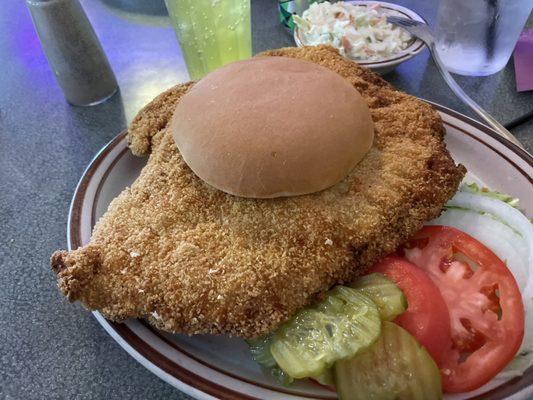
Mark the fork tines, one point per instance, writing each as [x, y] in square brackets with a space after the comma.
[402, 21]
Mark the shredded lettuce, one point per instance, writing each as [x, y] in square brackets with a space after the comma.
[260, 350]
[474, 188]
[484, 191]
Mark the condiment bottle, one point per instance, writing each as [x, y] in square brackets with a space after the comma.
[73, 50]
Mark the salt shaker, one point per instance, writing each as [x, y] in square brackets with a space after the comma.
[73, 50]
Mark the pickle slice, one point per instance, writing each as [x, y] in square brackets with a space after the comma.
[388, 297]
[396, 366]
[341, 325]
[260, 350]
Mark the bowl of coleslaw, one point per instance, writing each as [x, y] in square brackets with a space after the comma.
[360, 31]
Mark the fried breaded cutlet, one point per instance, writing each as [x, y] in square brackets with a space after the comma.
[193, 259]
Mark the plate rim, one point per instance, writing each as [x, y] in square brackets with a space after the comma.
[201, 387]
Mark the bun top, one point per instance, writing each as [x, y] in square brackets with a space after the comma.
[272, 126]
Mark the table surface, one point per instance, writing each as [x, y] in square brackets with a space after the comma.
[48, 347]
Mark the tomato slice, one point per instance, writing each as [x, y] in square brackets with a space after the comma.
[483, 299]
[426, 317]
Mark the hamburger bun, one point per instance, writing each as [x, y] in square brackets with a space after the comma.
[272, 126]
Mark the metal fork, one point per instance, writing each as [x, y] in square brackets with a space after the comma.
[421, 31]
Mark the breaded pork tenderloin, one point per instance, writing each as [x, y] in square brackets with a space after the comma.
[193, 259]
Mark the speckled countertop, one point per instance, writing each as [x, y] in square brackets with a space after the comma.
[49, 348]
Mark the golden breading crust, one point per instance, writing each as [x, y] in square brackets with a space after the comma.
[196, 260]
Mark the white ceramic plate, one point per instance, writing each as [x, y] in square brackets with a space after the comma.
[208, 367]
[384, 65]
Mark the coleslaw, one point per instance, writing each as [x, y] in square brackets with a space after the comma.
[358, 32]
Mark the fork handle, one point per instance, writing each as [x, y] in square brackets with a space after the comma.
[499, 128]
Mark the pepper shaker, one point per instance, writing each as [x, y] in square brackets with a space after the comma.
[73, 50]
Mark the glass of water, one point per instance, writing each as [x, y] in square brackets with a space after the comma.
[477, 37]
